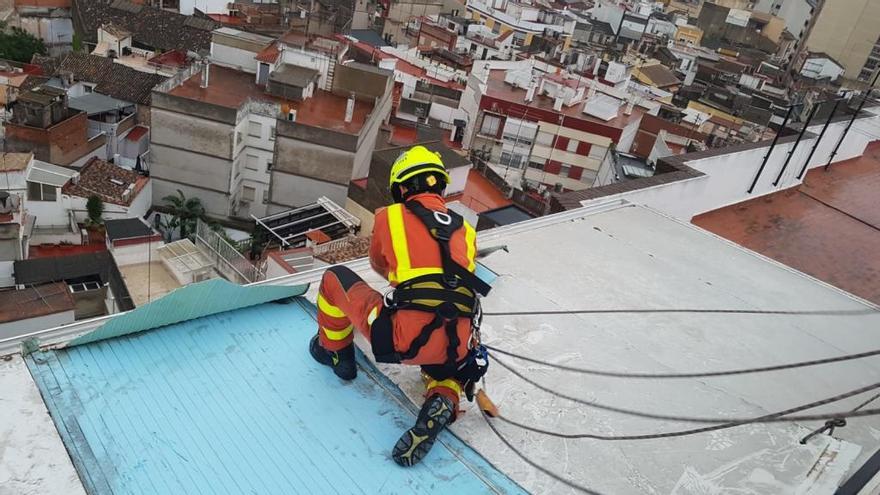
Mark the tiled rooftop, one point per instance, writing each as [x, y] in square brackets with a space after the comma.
[497, 88]
[34, 301]
[14, 162]
[231, 88]
[828, 228]
[107, 181]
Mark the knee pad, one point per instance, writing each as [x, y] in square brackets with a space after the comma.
[346, 277]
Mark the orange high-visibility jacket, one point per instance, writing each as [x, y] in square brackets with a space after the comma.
[403, 249]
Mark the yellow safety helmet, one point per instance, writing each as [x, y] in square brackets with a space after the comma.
[416, 161]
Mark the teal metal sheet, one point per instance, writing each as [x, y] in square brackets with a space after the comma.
[232, 403]
[193, 301]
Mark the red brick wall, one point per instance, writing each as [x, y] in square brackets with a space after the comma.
[440, 36]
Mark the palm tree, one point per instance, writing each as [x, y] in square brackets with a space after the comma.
[185, 212]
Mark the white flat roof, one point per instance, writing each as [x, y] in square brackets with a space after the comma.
[33, 461]
[632, 257]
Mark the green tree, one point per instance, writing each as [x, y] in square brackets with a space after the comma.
[77, 42]
[19, 45]
[95, 209]
[185, 212]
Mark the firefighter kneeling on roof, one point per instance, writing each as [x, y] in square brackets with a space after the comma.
[431, 319]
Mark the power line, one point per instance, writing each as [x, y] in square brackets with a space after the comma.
[691, 419]
[743, 371]
[829, 312]
[534, 464]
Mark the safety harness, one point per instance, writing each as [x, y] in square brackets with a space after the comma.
[449, 295]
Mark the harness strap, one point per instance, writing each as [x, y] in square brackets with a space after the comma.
[442, 226]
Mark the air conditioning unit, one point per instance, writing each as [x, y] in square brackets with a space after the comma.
[291, 115]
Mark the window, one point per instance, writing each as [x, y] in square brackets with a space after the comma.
[597, 152]
[519, 39]
[511, 159]
[265, 195]
[565, 170]
[572, 146]
[248, 193]
[490, 126]
[545, 139]
[272, 133]
[41, 192]
[87, 89]
[537, 165]
[496, 28]
[252, 163]
[238, 138]
[255, 129]
[268, 166]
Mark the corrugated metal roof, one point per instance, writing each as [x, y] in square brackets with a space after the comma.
[193, 301]
[53, 175]
[232, 403]
[95, 103]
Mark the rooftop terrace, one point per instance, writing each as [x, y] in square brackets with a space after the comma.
[497, 88]
[232, 88]
[829, 227]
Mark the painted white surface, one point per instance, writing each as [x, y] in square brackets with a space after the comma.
[632, 257]
[21, 327]
[821, 68]
[6, 272]
[33, 460]
[729, 176]
[459, 177]
[137, 253]
[236, 58]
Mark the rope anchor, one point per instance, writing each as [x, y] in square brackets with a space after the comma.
[829, 427]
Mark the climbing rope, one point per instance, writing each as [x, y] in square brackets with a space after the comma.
[743, 371]
[688, 419]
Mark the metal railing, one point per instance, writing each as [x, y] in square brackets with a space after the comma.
[227, 259]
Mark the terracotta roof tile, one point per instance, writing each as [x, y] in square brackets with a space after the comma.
[112, 79]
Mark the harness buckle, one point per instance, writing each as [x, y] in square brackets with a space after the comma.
[448, 311]
[443, 218]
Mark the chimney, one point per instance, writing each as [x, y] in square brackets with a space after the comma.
[349, 108]
[530, 93]
[629, 107]
[206, 74]
[592, 92]
[557, 103]
[541, 87]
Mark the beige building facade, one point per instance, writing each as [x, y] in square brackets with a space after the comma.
[848, 30]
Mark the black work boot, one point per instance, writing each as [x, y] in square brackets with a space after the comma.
[341, 361]
[437, 412]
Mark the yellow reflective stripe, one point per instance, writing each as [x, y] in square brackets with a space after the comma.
[337, 334]
[374, 313]
[329, 309]
[470, 237]
[398, 241]
[448, 383]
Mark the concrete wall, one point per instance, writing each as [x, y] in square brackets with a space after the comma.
[234, 57]
[216, 203]
[290, 191]
[365, 84]
[846, 30]
[190, 133]
[366, 217]
[137, 253]
[20, 327]
[49, 213]
[459, 177]
[729, 175]
[311, 160]
[6, 272]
